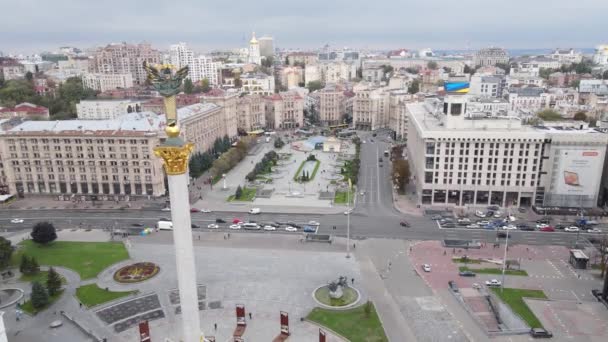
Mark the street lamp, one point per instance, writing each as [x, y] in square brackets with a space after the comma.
[504, 263]
[350, 185]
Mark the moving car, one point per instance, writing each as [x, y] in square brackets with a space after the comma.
[404, 224]
[473, 226]
[348, 211]
[254, 211]
[213, 226]
[509, 227]
[380, 159]
[547, 229]
[467, 274]
[313, 223]
[219, 220]
[291, 229]
[525, 227]
[236, 220]
[205, 210]
[194, 210]
[540, 333]
[195, 225]
[436, 217]
[251, 226]
[571, 229]
[594, 230]
[426, 268]
[544, 220]
[503, 235]
[541, 225]
[269, 228]
[235, 226]
[137, 224]
[166, 209]
[310, 229]
[453, 285]
[493, 282]
[164, 225]
[480, 213]
[164, 219]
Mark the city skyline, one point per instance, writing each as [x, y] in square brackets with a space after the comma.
[447, 25]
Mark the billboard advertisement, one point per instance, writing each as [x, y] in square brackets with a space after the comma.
[579, 172]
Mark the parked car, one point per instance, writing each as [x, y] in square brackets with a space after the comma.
[291, 229]
[313, 223]
[426, 268]
[497, 214]
[349, 211]
[509, 227]
[483, 223]
[448, 225]
[293, 224]
[219, 220]
[493, 282]
[453, 286]
[195, 225]
[473, 226]
[404, 224]
[480, 213]
[597, 294]
[467, 274]
[164, 219]
[436, 217]
[137, 225]
[547, 229]
[503, 235]
[525, 227]
[512, 218]
[544, 220]
[310, 229]
[251, 226]
[464, 220]
[493, 207]
[213, 226]
[541, 225]
[571, 229]
[194, 210]
[235, 226]
[269, 228]
[255, 211]
[540, 333]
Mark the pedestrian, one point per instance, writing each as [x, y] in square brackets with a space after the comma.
[389, 265]
[80, 305]
[199, 237]
[354, 246]
[444, 252]
[229, 235]
[215, 326]
[352, 280]
[224, 236]
[250, 317]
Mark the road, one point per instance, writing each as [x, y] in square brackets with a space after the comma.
[373, 217]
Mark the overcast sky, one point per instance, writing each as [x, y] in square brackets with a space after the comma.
[33, 25]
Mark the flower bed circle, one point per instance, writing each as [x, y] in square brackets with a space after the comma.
[136, 273]
[349, 297]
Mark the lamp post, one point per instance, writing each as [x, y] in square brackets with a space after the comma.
[175, 153]
[350, 185]
[504, 263]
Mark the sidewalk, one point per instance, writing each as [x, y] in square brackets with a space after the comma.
[41, 202]
[406, 204]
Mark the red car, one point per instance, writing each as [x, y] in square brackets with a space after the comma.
[547, 229]
[193, 210]
[236, 221]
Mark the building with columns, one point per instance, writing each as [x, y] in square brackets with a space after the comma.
[331, 104]
[459, 158]
[228, 102]
[284, 110]
[251, 114]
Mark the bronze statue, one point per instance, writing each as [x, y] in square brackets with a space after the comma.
[163, 80]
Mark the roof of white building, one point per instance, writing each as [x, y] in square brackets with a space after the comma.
[188, 111]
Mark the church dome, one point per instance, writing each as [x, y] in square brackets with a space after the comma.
[253, 40]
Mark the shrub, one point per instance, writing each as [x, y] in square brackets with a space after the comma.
[43, 232]
[40, 297]
[53, 282]
[238, 193]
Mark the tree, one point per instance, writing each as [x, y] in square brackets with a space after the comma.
[268, 62]
[188, 86]
[549, 115]
[205, 85]
[401, 173]
[6, 250]
[53, 282]
[545, 72]
[432, 65]
[43, 232]
[412, 70]
[468, 70]
[414, 87]
[605, 75]
[367, 309]
[575, 83]
[238, 193]
[279, 143]
[314, 85]
[40, 297]
[29, 76]
[25, 265]
[580, 116]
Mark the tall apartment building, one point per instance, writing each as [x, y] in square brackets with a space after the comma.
[490, 56]
[228, 103]
[601, 55]
[105, 109]
[251, 113]
[266, 46]
[461, 159]
[201, 67]
[105, 82]
[106, 157]
[487, 86]
[284, 110]
[331, 104]
[125, 59]
[330, 71]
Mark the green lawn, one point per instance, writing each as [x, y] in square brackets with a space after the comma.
[85, 258]
[299, 172]
[314, 172]
[247, 196]
[91, 295]
[341, 197]
[27, 306]
[352, 324]
[466, 261]
[513, 298]
[494, 271]
[39, 277]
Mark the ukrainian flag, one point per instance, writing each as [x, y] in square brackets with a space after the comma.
[457, 87]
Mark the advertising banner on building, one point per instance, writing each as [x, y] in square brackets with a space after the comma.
[579, 172]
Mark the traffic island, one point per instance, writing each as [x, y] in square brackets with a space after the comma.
[360, 324]
[514, 298]
[92, 295]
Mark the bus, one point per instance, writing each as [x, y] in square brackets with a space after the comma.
[338, 126]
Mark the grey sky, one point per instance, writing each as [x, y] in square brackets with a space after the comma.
[30, 25]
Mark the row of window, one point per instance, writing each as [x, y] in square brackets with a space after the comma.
[79, 141]
[80, 162]
[68, 148]
[81, 169]
[26, 155]
[62, 177]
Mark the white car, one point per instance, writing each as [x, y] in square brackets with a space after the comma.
[594, 230]
[512, 218]
[571, 229]
[313, 223]
[497, 214]
[493, 282]
[348, 212]
[426, 268]
[509, 227]
[473, 226]
[235, 226]
[483, 223]
[166, 209]
[213, 226]
[17, 220]
[291, 229]
[541, 225]
[479, 213]
[205, 211]
[269, 228]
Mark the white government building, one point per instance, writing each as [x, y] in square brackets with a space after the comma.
[462, 158]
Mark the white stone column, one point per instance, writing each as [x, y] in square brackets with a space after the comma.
[184, 257]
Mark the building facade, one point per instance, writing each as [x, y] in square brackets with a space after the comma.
[601, 55]
[25, 110]
[490, 56]
[331, 106]
[292, 77]
[257, 83]
[105, 82]
[266, 46]
[567, 56]
[227, 101]
[106, 109]
[284, 110]
[11, 69]
[251, 113]
[302, 58]
[254, 51]
[125, 59]
[200, 67]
